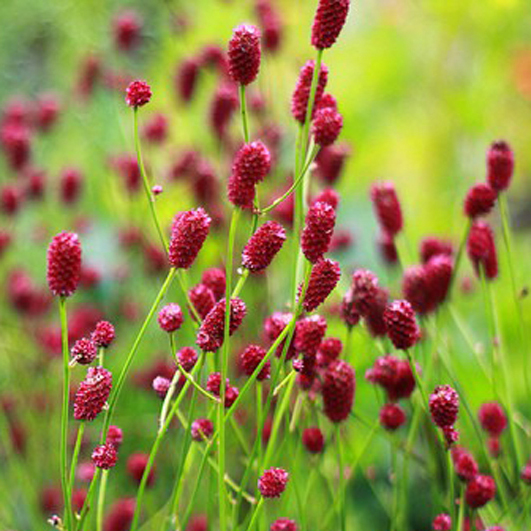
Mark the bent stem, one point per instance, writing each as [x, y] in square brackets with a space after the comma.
[67, 493]
[149, 194]
[224, 371]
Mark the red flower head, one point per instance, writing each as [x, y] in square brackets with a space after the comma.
[161, 385]
[120, 515]
[263, 246]
[103, 334]
[187, 358]
[339, 386]
[244, 54]
[136, 464]
[156, 130]
[202, 429]
[16, 142]
[394, 375]
[330, 162]
[416, 290]
[479, 200]
[401, 324]
[328, 195]
[326, 126]
[84, 351]
[272, 482]
[127, 28]
[439, 271]
[329, 350]
[138, 93]
[442, 522]
[210, 333]
[309, 332]
[270, 24]
[64, 264]
[223, 105]
[170, 318]
[432, 246]
[482, 250]
[214, 278]
[444, 406]
[186, 78]
[387, 248]
[479, 491]
[328, 22]
[188, 233]
[104, 456]
[115, 436]
[202, 299]
[347, 310]
[318, 230]
[313, 440]
[283, 524]
[273, 327]
[365, 290]
[301, 94]
[392, 416]
[465, 465]
[387, 207]
[250, 358]
[500, 165]
[71, 182]
[92, 393]
[492, 418]
[323, 279]
[251, 164]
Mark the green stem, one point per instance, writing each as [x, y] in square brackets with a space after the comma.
[67, 492]
[75, 455]
[224, 371]
[101, 500]
[149, 194]
[342, 516]
[86, 505]
[243, 108]
[459, 256]
[256, 512]
[461, 517]
[239, 285]
[451, 492]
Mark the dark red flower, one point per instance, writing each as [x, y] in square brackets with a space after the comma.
[189, 231]
[202, 429]
[211, 331]
[186, 78]
[329, 20]
[465, 465]
[115, 436]
[338, 389]
[348, 311]
[492, 418]
[244, 54]
[318, 230]
[442, 522]
[323, 279]
[64, 264]
[71, 183]
[170, 317]
[272, 482]
[156, 129]
[92, 393]
[138, 93]
[330, 162]
[394, 375]
[224, 104]
[105, 456]
[387, 248]
[214, 278]
[326, 126]
[84, 351]
[273, 327]
[270, 24]
[444, 406]
[479, 491]
[103, 334]
[432, 246]
[127, 28]
[392, 416]
[136, 464]
[401, 324]
[329, 350]
[263, 246]
[120, 515]
[202, 299]
[309, 332]
[482, 250]
[387, 207]
[161, 385]
[313, 440]
[500, 165]
[187, 358]
[301, 94]
[479, 200]
[250, 358]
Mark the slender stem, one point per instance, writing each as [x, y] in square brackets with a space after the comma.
[461, 516]
[75, 455]
[295, 184]
[67, 492]
[191, 308]
[420, 385]
[198, 387]
[256, 512]
[459, 256]
[342, 515]
[149, 194]
[130, 356]
[167, 400]
[86, 506]
[101, 500]
[243, 108]
[451, 492]
[224, 371]
[239, 285]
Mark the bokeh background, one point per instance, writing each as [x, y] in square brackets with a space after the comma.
[424, 87]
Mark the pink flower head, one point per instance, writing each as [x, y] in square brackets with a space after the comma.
[329, 20]
[64, 264]
[244, 54]
[189, 232]
[138, 93]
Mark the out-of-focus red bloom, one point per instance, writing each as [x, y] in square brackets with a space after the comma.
[339, 386]
[270, 24]
[479, 491]
[492, 418]
[432, 246]
[482, 250]
[392, 416]
[214, 278]
[186, 78]
[330, 162]
[394, 375]
[202, 299]
[401, 324]
[136, 465]
[479, 200]
[500, 165]
[224, 105]
[301, 94]
[71, 183]
[120, 515]
[127, 27]
[313, 440]
[387, 207]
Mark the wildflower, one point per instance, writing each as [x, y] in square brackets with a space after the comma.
[170, 318]
[500, 165]
[115, 436]
[326, 126]
[329, 350]
[387, 207]
[202, 429]
[392, 416]
[161, 385]
[92, 393]
[442, 522]
[401, 325]
[394, 375]
[120, 515]
[104, 456]
[479, 200]
[64, 264]
[187, 358]
[339, 386]
[313, 440]
[84, 351]
[283, 524]
[318, 230]
[127, 28]
[309, 332]
[186, 78]
[272, 482]
[444, 406]
[323, 279]
[347, 309]
[432, 246]
[103, 334]
[202, 299]
[71, 183]
[244, 54]
[301, 94]
[482, 250]
[492, 418]
[214, 278]
[479, 491]
[263, 246]
[136, 465]
[250, 358]
[465, 465]
[138, 93]
[329, 20]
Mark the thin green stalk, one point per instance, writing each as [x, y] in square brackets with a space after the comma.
[461, 517]
[241, 282]
[149, 194]
[130, 356]
[224, 371]
[101, 500]
[342, 515]
[256, 512]
[86, 506]
[451, 493]
[155, 449]
[75, 455]
[459, 256]
[243, 108]
[295, 184]
[67, 492]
